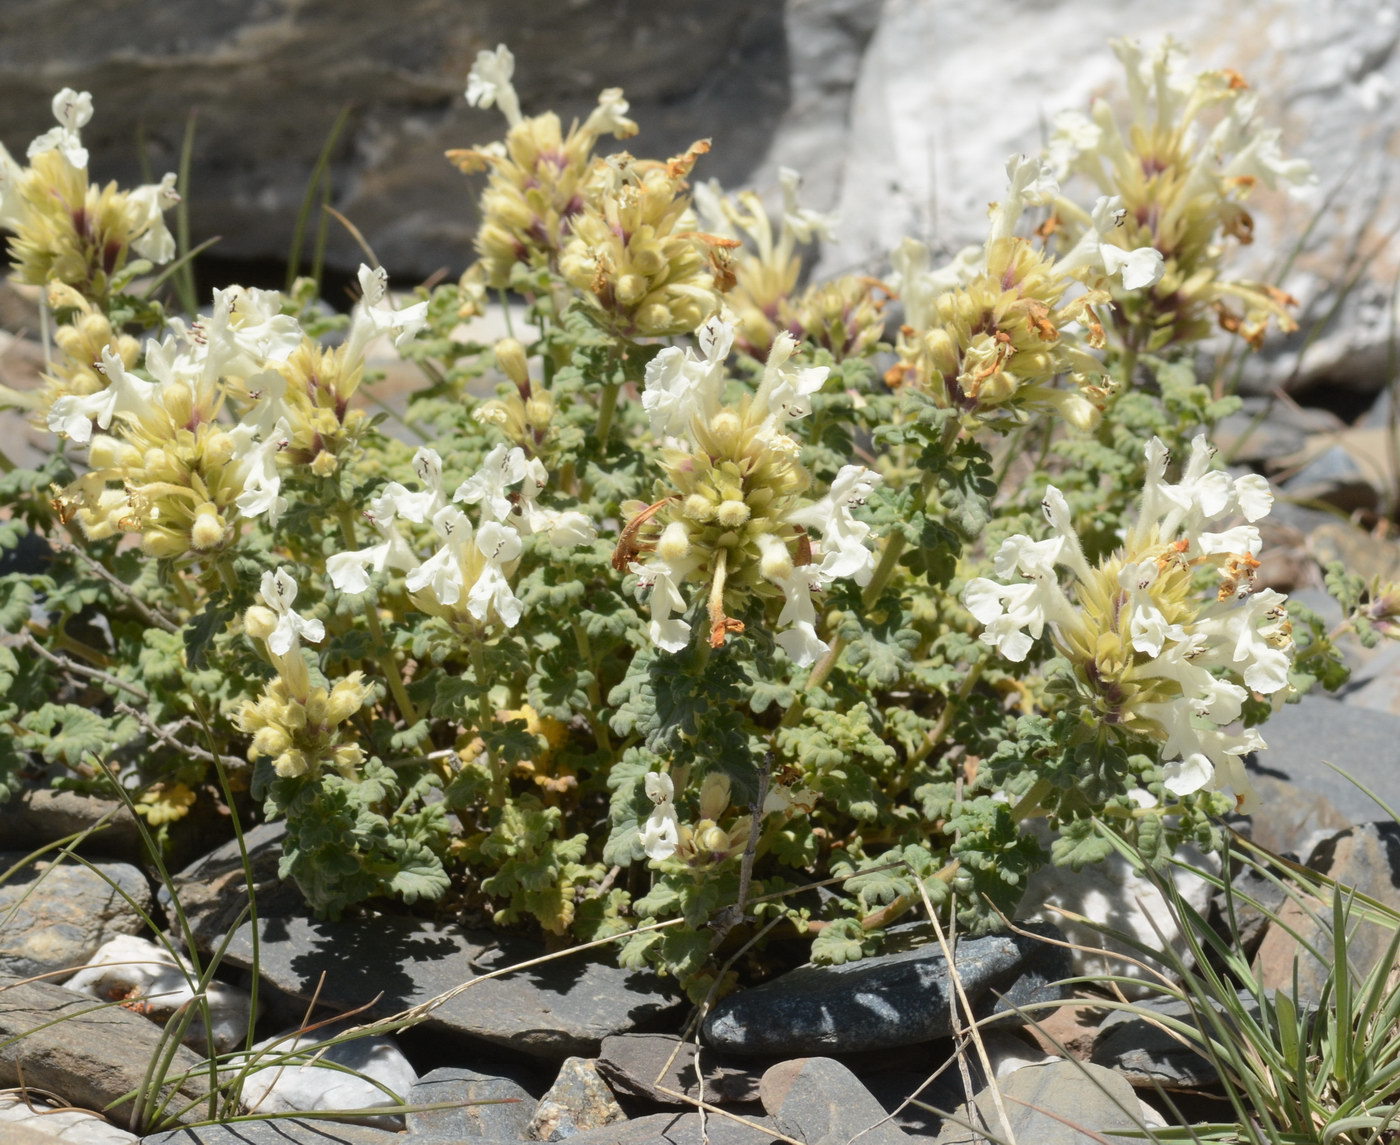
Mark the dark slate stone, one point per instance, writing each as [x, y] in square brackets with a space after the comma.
[633, 1062]
[895, 999]
[1365, 744]
[1144, 1053]
[390, 963]
[505, 1118]
[817, 1099]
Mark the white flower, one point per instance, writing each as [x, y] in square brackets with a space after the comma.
[349, 571]
[125, 394]
[256, 460]
[785, 391]
[246, 333]
[73, 110]
[1140, 268]
[442, 572]
[563, 529]
[500, 545]
[370, 319]
[844, 551]
[279, 592]
[150, 204]
[489, 83]
[610, 116]
[680, 386]
[1147, 626]
[503, 467]
[667, 631]
[661, 832]
[804, 223]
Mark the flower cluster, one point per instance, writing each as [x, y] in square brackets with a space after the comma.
[1181, 166]
[842, 316]
[737, 518]
[64, 228]
[171, 465]
[539, 179]
[992, 332]
[295, 723]
[467, 578]
[1154, 656]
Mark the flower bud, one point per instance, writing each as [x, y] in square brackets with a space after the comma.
[259, 622]
[510, 356]
[714, 795]
[732, 514]
[539, 410]
[324, 464]
[711, 837]
[698, 507]
[674, 544]
[208, 530]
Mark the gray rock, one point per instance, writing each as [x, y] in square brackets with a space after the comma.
[390, 963]
[682, 1129]
[1296, 819]
[1113, 896]
[56, 1040]
[282, 1131]
[38, 816]
[1147, 1056]
[1333, 477]
[63, 912]
[890, 1000]
[633, 1062]
[493, 1107]
[25, 1119]
[1061, 1103]
[1365, 858]
[817, 1099]
[1305, 737]
[268, 80]
[579, 1099]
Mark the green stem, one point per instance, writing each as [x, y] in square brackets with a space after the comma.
[485, 716]
[595, 694]
[606, 412]
[383, 654]
[889, 561]
[945, 719]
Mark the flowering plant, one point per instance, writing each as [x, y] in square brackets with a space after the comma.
[691, 610]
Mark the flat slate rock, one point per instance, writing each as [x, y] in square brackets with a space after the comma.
[558, 1009]
[818, 1099]
[88, 1053]
[485, 1106]
[632, 1063]
[1365, 744]
[890, 1000]
[678, 1129]
[1144, 1054]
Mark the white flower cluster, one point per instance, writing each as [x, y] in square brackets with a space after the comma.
[244, 336]
[1187, 665]
[146, 205]
[1237, 149]
[684, 397]
[470, 567]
